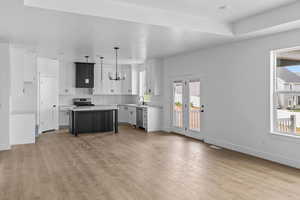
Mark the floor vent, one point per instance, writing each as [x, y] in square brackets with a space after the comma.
[215, 147]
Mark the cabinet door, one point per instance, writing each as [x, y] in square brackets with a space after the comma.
[126, 84]
[116, 85]
[134, 80]
[132, 115]
[29, 66]
[84, 75]
[84, 122]
[107, 87]
[123, 114]
[17, 71]
[98, 80]
[66, 78]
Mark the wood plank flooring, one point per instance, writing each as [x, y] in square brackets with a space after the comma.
[134, 165]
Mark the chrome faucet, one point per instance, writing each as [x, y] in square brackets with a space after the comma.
[143, 100]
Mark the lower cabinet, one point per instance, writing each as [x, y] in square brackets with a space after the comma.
[22, 129]
[123, 114]
[63, 118]
[132, 115]
[149, 118]
[152, 118]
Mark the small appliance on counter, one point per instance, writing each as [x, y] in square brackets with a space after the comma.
[83, 102]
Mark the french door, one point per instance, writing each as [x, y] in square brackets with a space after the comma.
[187, 108]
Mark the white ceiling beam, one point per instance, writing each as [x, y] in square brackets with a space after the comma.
[277, 20]
[134, 13]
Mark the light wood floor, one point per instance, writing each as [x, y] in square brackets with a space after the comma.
[133, 165]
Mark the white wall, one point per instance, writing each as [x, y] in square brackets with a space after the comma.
[235, 82]
[4, 96]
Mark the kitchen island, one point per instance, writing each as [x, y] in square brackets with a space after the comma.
[92, 119]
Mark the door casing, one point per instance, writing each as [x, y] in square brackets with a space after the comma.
[185, 130]
[53, 125]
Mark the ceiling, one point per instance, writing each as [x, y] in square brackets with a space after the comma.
[235, 9]
[51, 32]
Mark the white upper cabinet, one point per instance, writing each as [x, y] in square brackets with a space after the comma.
[66, 78]
[17, 71]
[154, 70]
[98, 79]
[23, 69]
[134, 80]
[111, 87]
[30, 66]
[126, 84]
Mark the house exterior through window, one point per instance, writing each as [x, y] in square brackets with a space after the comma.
[286, 92]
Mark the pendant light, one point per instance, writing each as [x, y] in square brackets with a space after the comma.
[117, 76]
[101, 59]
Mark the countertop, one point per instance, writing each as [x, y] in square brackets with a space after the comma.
[141, 106]
[94, 108]
[103, 107]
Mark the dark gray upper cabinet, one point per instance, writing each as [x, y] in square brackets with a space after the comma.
[84, 75]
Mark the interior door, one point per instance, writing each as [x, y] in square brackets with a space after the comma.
[48, 104]
[187, 108]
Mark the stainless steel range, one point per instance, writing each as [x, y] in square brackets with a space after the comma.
[83, 102]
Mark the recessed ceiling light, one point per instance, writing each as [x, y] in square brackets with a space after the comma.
[223, 7]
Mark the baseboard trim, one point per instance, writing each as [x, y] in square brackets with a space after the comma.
[250, 151]
[4, 147]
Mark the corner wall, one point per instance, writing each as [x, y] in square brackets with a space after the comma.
[235, 90]
[4, 96]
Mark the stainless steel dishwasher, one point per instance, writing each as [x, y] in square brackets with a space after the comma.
[139, 117]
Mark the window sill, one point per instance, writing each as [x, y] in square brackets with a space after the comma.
[286, 135]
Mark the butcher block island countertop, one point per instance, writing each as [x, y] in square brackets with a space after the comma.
[93, 119]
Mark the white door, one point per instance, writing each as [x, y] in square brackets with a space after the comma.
[187, 108]
[48, 104]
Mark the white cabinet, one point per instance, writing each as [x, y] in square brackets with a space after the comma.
[66, 78]
[22, 128]
[130, 84]
[98, 80]
[111, 87]
[132, 115]
[23, 69]
[107, 85]
[134, 80]
[154, 70]
[30, 69]
[63, 118]
[123, 114]
[17, 71]
[64, 115]
[126, 84]
[152, 118]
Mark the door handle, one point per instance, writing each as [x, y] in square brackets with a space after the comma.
[54, 106]
[202, 108]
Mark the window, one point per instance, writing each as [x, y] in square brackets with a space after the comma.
[285, 104]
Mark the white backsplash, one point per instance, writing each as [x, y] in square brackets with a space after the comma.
[97, 99]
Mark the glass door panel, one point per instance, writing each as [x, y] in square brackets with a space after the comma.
[178, 104]
[194, 107]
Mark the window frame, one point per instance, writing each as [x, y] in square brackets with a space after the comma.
[274, 93]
